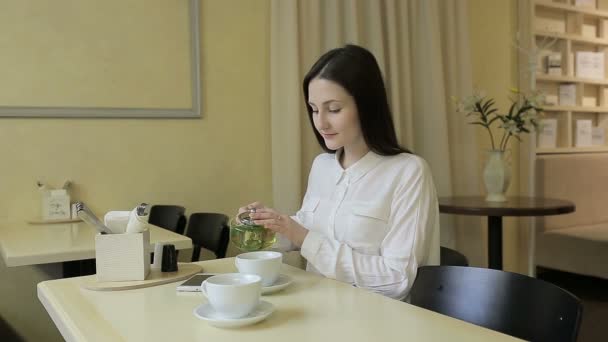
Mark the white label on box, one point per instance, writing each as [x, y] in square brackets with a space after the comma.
[583, 133]
[598, 136]
[55, 205]
[590, 64]
[547, 134]
[567, 94]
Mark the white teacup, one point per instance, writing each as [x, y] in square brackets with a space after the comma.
[233, 295]
[266, 264]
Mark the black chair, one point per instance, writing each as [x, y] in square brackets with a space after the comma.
[209, 231]
[511, 303]
[450, 257]
[8, 333]
[170, 217]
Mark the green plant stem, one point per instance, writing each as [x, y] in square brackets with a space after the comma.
[502, 141]
[491, 137]
[506, 141]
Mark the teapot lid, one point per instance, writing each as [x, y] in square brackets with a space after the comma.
[244, 217]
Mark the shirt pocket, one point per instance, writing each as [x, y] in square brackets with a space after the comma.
[368, 225]
[307, 213]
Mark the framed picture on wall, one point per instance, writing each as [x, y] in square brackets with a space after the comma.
[100, 58]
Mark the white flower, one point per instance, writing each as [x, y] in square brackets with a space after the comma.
[467, 105]
[511, 127]
[483, 111]
[529, 115]
[537, 99]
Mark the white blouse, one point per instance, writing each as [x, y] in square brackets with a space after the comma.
[373, 224]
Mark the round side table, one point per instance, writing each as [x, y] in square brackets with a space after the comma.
[514, 206]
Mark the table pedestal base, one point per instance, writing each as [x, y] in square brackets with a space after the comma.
[495, 242]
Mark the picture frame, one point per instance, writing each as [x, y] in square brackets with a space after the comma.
[64, 64]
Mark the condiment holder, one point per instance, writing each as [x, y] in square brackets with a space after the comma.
[122, 257]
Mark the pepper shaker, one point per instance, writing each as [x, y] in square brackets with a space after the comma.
[169, 263]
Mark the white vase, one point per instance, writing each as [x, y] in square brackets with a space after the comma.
[496, 176]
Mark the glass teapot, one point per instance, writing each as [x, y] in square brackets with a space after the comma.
[248, 236]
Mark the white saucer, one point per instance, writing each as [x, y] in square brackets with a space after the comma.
[207, 313]
[282, 282]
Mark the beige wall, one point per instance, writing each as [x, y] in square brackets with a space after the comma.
[200, 164]
[493, 25]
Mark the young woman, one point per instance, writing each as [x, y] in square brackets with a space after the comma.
[370, 214]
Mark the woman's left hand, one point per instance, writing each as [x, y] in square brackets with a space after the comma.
[280, 223]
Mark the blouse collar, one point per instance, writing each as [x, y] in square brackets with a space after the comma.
[359, 168]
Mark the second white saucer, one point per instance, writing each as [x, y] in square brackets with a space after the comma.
[207, 313]
[282, 282]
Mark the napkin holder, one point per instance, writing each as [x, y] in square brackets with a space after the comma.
[122, 257]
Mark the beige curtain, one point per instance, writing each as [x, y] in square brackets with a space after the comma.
[422, 48]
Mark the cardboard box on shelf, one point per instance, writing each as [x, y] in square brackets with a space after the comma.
[547, 134]
[553, 64]
[589, 30]
[598, 136]
[550, 24]
[551, 100]
[590, 64]
[583, 133]
[567, 94]
[589, 101]
[585, 3]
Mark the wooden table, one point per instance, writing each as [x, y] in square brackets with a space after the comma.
[313, 308]
[514, 206]
[33, 244]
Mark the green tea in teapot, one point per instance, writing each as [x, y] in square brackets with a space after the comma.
[248, 236]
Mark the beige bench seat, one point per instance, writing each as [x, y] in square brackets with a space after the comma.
[583, 249]
[576, 242]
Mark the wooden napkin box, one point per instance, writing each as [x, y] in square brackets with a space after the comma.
[122, 257]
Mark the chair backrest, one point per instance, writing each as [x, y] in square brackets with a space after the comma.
[450, 257]
[8, 333]
[210, 231]
[511, 303]
[170, 217]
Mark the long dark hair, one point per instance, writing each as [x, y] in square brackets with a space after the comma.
[356, 70]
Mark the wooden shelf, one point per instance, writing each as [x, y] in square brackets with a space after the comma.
[590, 149]
[580, 109]
[571, 8]
[570, 79]
[565, 22]
[572, 37]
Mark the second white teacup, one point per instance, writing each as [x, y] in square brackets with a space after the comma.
[266, 264]
[233, 295]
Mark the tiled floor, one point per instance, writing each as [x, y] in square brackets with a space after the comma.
[594, 294]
